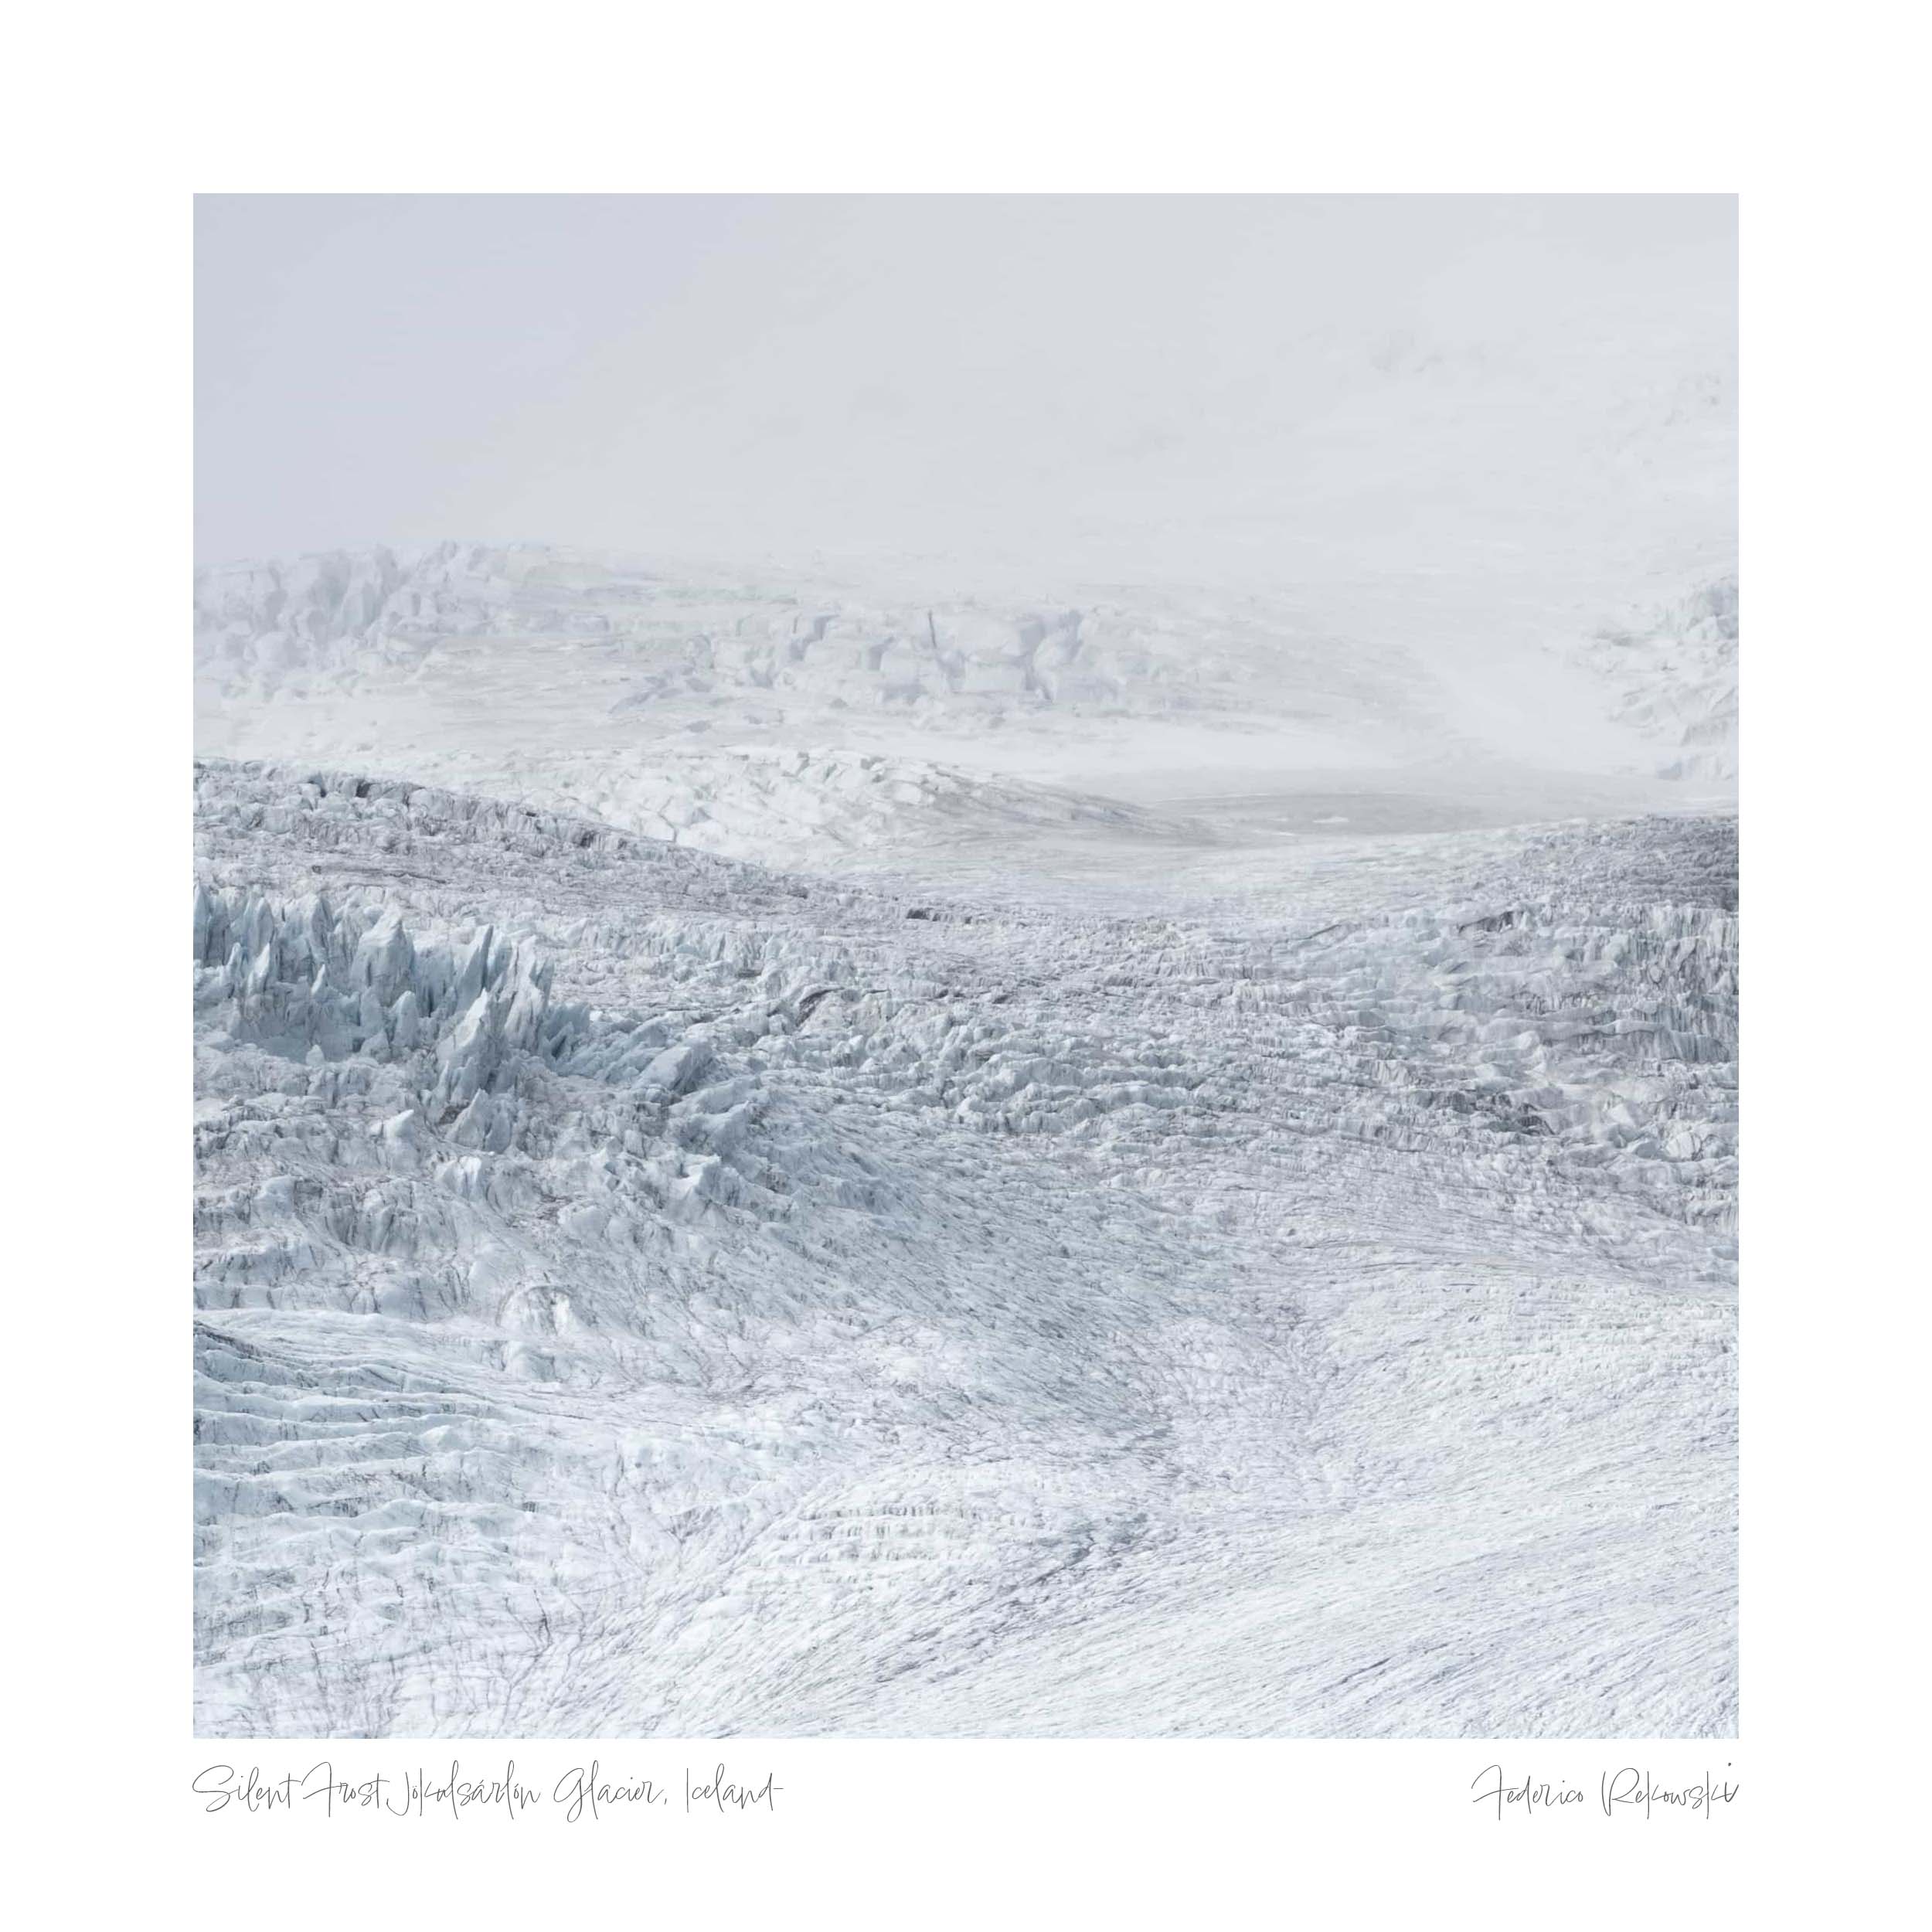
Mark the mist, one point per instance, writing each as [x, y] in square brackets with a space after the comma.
[1358, 390]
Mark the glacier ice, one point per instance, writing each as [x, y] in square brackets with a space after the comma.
[1283, 1287]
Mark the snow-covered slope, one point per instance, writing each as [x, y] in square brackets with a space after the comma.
[642, 1292]
[819, 809]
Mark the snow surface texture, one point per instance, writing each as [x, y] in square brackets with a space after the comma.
[862, 1229]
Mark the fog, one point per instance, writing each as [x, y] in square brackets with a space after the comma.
[1447, 397]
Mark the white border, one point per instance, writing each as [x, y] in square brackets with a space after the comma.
[120, 113]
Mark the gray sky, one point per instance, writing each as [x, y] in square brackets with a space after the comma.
[1179, 386]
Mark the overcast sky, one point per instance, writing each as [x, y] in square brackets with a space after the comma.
[1177, 386]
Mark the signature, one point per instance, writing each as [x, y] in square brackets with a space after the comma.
[1630, 1788]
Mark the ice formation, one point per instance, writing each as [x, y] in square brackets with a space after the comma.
[1676, 673]
[1013, 1262]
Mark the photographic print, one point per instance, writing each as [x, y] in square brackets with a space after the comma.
[965, 966]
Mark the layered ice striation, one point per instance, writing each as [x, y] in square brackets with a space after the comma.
[641, 1292]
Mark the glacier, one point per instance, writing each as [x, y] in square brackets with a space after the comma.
[799, 1158]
